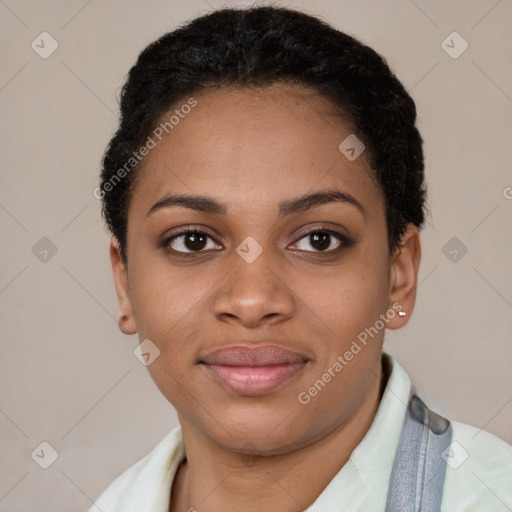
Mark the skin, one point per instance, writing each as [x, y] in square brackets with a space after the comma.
[253, 150]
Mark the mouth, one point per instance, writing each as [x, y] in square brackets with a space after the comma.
[253, 370]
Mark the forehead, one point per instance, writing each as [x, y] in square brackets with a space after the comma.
[254, 145]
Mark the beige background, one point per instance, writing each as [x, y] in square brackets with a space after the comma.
[68, 375]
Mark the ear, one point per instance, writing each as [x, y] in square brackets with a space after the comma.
[127, 319]
[404, 276]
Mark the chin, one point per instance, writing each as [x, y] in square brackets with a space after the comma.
[260, 433]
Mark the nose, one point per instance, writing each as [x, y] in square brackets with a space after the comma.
[254, 294]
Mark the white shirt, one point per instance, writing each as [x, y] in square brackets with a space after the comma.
[478, 477]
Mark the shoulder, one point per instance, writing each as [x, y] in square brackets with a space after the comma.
[478, 472]
[146, 481]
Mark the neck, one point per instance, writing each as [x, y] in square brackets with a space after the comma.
[213, 479]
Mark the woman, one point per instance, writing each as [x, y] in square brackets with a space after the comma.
[265, 192]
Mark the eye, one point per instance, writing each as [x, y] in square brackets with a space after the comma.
[323, 241]
[190, 241]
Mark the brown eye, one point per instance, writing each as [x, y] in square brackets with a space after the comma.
[323, 240]
[190, 241]
[320, 241]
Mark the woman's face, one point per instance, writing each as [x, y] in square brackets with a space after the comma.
[251, 314]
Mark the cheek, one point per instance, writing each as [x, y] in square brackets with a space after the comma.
[167, 302]
[169, 310]
[344, 300]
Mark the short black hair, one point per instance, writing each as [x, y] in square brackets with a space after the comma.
[259, 46]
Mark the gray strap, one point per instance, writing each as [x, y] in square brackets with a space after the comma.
[418, 474]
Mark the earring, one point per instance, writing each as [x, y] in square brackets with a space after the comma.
[402, 313]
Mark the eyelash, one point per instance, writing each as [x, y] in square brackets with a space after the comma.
[345, 241]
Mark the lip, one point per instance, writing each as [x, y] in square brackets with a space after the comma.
[253, 370]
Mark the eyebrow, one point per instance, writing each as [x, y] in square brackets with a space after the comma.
[291, 206]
